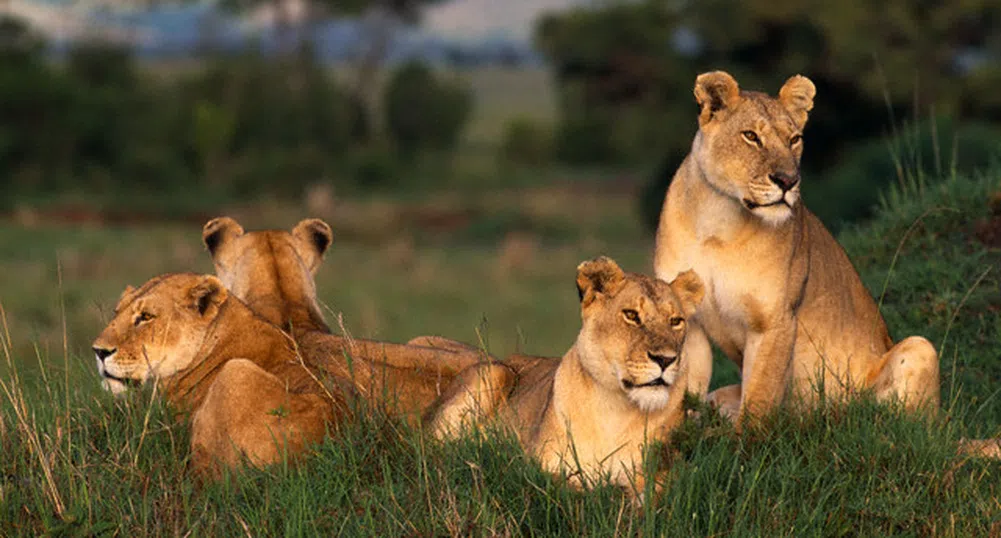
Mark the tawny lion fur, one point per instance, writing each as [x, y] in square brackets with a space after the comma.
[253, 391]
[783, 300]
[620, 386]
[273, 271]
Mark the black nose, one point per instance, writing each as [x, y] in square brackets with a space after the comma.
[103, 353]
[662, 360]
[783, 180]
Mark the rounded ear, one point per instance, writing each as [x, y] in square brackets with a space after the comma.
[689, 289]
[315, 233]
[600, 275]
[797, 96]
[207, 295]
[715, 91]
[125, 297]
[219, 230]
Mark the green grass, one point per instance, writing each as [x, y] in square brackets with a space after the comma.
[73, 461]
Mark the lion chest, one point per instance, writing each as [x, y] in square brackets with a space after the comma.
[743, 294]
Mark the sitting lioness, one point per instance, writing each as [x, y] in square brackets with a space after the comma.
[783, 301]
[619, 387]
[252, 388]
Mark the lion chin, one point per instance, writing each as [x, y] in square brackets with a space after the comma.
[114, 386]
[650, 399]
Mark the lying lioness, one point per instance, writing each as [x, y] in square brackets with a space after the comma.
[272, 272]
[784, 301]
[619, 387]
[240, 376]
[250, 386]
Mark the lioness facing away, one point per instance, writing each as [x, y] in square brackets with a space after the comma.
[619, 387]
[783, 301]
[272, 271]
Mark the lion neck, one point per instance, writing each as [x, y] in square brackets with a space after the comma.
[256, 340]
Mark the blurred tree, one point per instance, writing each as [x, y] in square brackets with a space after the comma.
[424, 112]
[632, 66]
[381, 18]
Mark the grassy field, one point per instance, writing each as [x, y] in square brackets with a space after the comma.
[495, 267]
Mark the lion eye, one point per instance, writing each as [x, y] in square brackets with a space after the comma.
[677, 322]
[143, 317]
[751, 137]
[796, 139]
[631, 316]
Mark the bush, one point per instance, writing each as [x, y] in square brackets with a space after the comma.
[526, 142]
[424, 112]
[924, 153]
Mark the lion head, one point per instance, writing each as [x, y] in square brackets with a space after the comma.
[750, 144]
[633, 329]
[158, 329]
[272, 270]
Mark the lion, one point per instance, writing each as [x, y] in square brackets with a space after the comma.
[784, 301]
[273, 272]
[239, 376]
[253, 391]
[619, 387]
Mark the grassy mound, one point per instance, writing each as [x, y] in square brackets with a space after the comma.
[75, 462]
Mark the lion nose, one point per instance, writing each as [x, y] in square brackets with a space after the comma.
[783, 180]
[662, 360]
[103, 353]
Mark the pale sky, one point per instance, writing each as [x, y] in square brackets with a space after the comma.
[456, 18]
[477, 18]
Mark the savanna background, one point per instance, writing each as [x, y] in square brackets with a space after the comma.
[468, 154]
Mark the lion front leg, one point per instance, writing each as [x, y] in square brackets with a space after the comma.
[766, 364]
[910, 372]
[248, 413]
[726, 400]
[699, 354]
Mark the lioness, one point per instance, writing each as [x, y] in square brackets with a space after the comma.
[272, 272]
[239, 375]
[784, 301]
[250, 386]
[620, 386]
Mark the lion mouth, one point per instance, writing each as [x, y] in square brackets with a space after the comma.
[659, 382]
[128, 382]
[752, 205]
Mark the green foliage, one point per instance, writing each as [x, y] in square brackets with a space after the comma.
[626, 70]
[118, 466]
[927, 256]
[914, 158]
[526, 142]
[424, 111]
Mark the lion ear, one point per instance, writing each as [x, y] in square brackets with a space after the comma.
[797, 96]
[598, 276]
[125, 296]
[715, 91]
[689, 289]
[317, 235]
[207, 295]
[219, 230]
